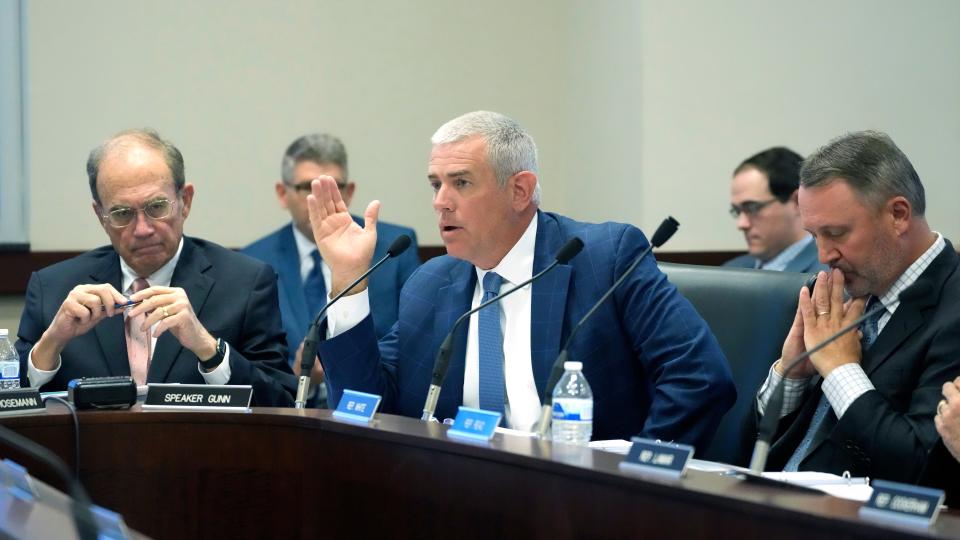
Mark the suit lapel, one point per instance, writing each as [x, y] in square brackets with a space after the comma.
[454, 300]
[189, 275]
[110, 332]
[288, 270]
[911, 314]
[548, 302]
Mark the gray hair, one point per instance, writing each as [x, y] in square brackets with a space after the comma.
[146, 137]
[871, 164]
[510, 149]
[315, 147]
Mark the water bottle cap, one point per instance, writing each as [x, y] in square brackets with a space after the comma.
[573, 366]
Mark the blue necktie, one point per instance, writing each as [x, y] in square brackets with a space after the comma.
[870, 330]
[314, 289]
[491, 348]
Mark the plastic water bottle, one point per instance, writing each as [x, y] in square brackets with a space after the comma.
[9, 363]
[572, 407]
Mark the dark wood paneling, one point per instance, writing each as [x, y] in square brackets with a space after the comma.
[284, 473]
[16, 266]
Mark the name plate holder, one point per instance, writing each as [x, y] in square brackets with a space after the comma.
[21, 401]
[476, 425]
[110, 525]
[654, 458]
[357, 406]
[16, 480]
[198, 397]
[902, 504]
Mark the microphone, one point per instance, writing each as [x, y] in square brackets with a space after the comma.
[399, 245]
[663, 233]
[80, 505]
[442, 362]
[771, 416]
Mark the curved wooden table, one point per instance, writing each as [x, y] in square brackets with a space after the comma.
[285, 473]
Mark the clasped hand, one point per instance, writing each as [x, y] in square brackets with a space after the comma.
[818, 317]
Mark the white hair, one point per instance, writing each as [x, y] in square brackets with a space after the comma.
[510, 149]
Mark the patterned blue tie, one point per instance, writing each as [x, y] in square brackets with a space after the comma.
[869, 329]
[314, 288]
[491, 348]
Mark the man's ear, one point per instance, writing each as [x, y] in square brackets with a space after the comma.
[281, 190]
[186, 194]
[97, 211]
[901, 213]
[347, 193]
[522, 186]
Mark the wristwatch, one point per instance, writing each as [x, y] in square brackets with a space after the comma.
[211, 363]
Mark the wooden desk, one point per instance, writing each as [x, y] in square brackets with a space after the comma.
[284, 473]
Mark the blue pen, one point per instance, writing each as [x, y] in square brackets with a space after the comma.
[129, 303]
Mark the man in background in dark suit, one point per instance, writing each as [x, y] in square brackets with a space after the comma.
[763, 200]
[654, 367]
[866, 403]
[207, 314]
[304, 278]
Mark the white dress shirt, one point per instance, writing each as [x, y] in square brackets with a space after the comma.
[523, 402]
[161, 277]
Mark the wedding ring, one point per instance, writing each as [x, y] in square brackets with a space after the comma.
[821, 313]
[163, 309]
[941, 404]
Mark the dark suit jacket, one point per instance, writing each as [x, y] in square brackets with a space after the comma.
[234, 297]
[655, 368]
[942, 471]
[279, 250]
[887, 433]
[805, 262]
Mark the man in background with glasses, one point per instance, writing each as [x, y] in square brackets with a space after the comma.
[763, 200]
[155, 305]
[304, 277]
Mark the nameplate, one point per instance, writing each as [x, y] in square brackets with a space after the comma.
[208, 397]
[904, 504]
[474, 424]
[110, 525]
[657, 458]
[21, 400]
[357, 406]
[15, 478]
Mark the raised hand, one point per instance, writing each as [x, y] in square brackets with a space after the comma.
[346, 247]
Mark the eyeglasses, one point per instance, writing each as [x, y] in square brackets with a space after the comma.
[303, 188]
[121, 216]
[750, 208]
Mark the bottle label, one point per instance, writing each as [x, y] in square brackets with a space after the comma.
[572, 409]
[11, 370]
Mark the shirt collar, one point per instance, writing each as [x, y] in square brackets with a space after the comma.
[786, 256]
[305, 246]
[161, 277]
[517, 265]
[890, 299]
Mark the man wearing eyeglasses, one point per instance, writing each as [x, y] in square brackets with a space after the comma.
[304, 277]
[763, 200]
[155, 305]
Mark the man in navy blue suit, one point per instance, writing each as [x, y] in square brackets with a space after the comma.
[292, 253]
[763, 200]
[655, 368]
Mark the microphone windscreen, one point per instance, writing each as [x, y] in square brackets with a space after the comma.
[399, 245]
[664, 231]
[569, 250]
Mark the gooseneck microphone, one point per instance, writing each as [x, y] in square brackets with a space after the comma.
[399, 245]
[80, 504]
[771, 416]
[442, 362]
[663, 233]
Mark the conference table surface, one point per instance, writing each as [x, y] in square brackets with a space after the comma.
[287, 473]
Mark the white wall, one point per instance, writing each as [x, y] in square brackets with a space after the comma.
[639, 108]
